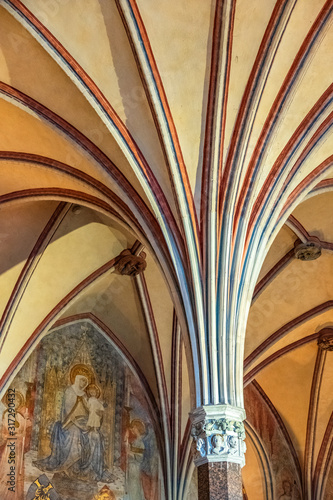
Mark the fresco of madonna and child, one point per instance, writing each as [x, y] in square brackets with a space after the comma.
[83, 428]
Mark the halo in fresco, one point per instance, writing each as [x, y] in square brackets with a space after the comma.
[75, 422]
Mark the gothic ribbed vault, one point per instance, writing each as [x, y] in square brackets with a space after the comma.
[202, 130]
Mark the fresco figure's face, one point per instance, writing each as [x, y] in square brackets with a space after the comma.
[92, 392]
[81, 381]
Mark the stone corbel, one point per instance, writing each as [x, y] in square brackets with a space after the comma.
[218, 434]
[325, 340]
[310, 250]
[131, 262]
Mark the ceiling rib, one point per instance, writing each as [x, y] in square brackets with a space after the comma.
[312, 423]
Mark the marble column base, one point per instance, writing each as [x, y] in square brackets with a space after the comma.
[220, 481]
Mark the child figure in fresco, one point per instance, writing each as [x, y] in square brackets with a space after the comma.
[95, 407]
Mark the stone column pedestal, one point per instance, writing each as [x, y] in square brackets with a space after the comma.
[219, 481]
[218, 448]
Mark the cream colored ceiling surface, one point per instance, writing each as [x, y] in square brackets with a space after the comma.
[108, 61]
[181, 43]
[317, 209]
[252, 475]
[28, 220]
[283, 388]
[294, 334]
[298, 278]
[285, 322]
[283, 243]
[244, 54]
[203, 132]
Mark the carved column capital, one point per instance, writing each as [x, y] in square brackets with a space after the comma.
[218, 434]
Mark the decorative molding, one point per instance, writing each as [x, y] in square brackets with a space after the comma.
[147, 310]
[249, 107]
[326, 343]
[212, 148]
[218, 434]
[157, 99]
[295, 224]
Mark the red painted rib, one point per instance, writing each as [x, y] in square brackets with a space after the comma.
[312, 418]
[281, 426]
[80, 176]
[158, 346]
[104, 104]
[325, 165]
[94, 151]
[211, 105]
[54, 220]
[245, 103]
[272, 273]
[282, 159]
[269, 123]
[326, 450]
[285, 329]
[167, 112]
[276, 355]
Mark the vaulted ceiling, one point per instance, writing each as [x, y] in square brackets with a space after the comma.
[203, 131]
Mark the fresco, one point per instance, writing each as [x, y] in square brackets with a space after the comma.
[75, 424]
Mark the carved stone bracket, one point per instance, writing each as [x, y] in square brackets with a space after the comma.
[218, 434]
[130, 264]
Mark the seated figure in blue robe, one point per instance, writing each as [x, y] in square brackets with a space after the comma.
[76, 449]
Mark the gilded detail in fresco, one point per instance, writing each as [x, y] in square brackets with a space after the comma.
[82, 426]
[42, 492]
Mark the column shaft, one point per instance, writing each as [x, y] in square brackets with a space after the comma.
[220, 481]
